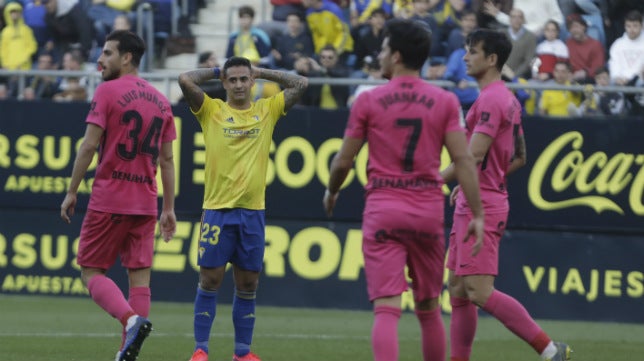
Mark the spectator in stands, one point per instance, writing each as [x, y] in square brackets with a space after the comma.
[34, 13]
[325, 96]
[249, 41]
[421, 13]
[550, 51]
[213, 88]
[536, 14]
[17, 44]
[122, 22]
[296, 42]
[4, 91]
[44, 86]
[610, 103]
[627, 53]
[282, 9]
[560, 103]
[466, 89]
[527, 98]
[636, 100]
[524, 45]
[368, 38]
[456, 39]
[361, 10]
[72, 88]
[69, 25]
[586, 53]
[614, 23]
[484, 19]
[17, 41]
[328, 26]
[373, 71]
[448, 17]
[104, 12]
[592, 11]
[28, 94]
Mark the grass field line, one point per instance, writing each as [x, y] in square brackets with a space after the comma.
[187, 335]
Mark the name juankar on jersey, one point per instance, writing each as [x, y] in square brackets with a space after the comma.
[405, 97]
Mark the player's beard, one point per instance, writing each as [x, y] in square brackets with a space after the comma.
[109, 75]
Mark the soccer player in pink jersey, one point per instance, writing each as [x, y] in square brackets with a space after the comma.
[497, 144]
[132, 125]
[406, 123]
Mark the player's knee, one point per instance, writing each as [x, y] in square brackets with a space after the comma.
[247, 285]
[210, 281]
[428, 304]
[456, 289]
[477, 294]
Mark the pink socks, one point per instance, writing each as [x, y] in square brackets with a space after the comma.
[109, 297]
[516, 318]
[384, 333]
[432, 334]
[462, 328]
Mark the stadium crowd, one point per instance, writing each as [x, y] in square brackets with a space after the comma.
[563, 42]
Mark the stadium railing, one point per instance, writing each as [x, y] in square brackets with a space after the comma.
[164, 81]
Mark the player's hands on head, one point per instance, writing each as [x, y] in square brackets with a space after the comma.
[168, 225]
[329, 202]
[67, 207]
[476, 228]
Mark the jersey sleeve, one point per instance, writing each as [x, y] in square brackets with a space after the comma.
[169, 130]
[208, 107]
[99, 108]
[276, 106]
[358, 117]
[455, 120]
[489, 117]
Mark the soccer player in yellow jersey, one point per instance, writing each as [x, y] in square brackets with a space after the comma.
[238, 136]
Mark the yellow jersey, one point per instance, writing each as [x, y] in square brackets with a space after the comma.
[237, 148]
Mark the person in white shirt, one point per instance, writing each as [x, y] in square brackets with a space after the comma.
[626, 55]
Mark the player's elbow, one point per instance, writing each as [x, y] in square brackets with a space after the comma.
[184, 79]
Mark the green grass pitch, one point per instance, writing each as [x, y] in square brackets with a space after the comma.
[34, 328]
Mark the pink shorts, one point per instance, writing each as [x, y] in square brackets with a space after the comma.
[393, 240]
[104, 236]
[486, 262]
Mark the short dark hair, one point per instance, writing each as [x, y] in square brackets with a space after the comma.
[204, 56]
[296, 13]
[492, 42]
[246, 10]
[329, 47]
[634, 15]
[379, 11]
[411, 39]
[129, 42]
[236, 61]
[601, 69]
[565, 63]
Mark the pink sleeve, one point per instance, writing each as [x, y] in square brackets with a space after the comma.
[98, 109]
[455, 121]
[358, 117]
[169, 130]
[489, 117]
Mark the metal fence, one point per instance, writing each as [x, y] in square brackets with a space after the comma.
[164, 81]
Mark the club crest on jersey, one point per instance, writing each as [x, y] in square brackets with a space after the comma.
[256, 118]
[230, 120]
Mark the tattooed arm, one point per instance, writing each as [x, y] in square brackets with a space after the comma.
[294, 85]
[189, 83]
